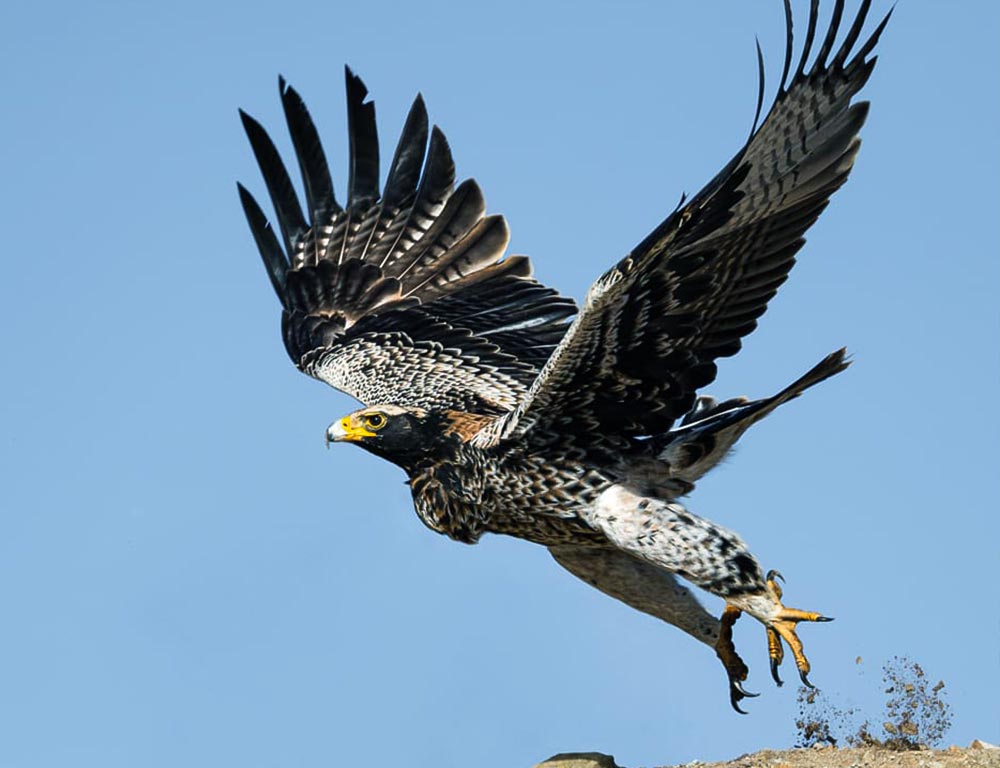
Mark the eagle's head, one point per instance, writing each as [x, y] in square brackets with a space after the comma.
[407, 436]
[403, 436]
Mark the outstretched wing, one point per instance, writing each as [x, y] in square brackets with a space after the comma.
[652, 327]
[398, 297]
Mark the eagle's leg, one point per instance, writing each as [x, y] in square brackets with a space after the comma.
[736, 670]
[779, 622]
[653, 590]
[667, 535]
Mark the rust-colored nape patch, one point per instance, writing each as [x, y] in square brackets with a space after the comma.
[465, 425]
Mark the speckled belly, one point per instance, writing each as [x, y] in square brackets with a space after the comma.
[529, 498]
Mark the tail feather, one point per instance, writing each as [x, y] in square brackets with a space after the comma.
[829, 366]
[709, 432]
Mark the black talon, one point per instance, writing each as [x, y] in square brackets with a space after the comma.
[743, 691]
[773, 574]
[774, 673]
[735, 694]
[805, 680]
[824, 618]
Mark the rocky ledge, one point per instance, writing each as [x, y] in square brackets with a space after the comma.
[979, 754]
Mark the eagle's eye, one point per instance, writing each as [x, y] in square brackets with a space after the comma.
[374, 421]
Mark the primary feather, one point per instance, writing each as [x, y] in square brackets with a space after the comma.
[652, 327]
[410, 280]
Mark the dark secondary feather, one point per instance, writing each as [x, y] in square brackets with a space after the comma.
[399, 297]
[652, 327]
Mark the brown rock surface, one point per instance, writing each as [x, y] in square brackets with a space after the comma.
[863, 757]
[579, 760]
[979, 754]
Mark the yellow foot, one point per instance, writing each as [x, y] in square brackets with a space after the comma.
[781, 626]
[736, 670]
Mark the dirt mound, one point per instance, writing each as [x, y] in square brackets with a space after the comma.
[864, 757]
[977, 755]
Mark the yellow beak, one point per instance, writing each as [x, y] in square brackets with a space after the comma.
[344, 431]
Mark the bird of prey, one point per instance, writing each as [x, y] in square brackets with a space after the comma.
[510, 411]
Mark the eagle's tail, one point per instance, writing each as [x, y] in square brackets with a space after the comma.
[711, 429]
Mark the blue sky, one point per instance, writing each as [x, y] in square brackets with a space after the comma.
[188, 578]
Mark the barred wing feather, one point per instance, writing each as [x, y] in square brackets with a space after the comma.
[653, 326]
[399, 296]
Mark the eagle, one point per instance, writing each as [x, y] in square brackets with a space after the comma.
[513, 412]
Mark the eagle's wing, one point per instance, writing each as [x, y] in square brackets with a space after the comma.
[652, 327]
[398, 297]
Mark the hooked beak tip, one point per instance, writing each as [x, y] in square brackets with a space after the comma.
[334, 433]
[344, 431]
